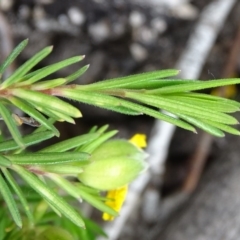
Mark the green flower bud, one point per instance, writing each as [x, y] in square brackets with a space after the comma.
[114, 164]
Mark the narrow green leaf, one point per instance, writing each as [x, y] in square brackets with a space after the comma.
[46, 192]
[19, 193]
[4, 162]
[153, 84]
[25, 107]
[40, 210]
[63, 169]
[104, 101]
[130, 80]
[26, 67]
[28, 140]
[218, 106]
[54, 114]
[203, 125]
[93, 227]
[47, 101]
[89, 148]
[195, 85]
[61, 116]
[44, 72]
[93, 129]
[47, 158]
[208, 97]
[64, 184]
[176, 107]
[159, 115]
[77, 74]
[71, 143]
[97, 99]
[123, 110]
[16, 51]
[223, 127]
[102, 129]
[95, 202]
[42, 128]
[10, 202]
[43, 85]
[4, 112]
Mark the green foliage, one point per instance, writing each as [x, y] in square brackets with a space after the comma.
[50, 174]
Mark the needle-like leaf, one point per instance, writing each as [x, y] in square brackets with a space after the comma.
[50, 196]
[26, 67]
[47, 158]
[9, 200]
[4, 112]
[19, 193]
[16, 51]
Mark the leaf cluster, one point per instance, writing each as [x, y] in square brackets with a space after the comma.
[157, 94]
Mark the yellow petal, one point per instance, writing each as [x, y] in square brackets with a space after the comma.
[139, 140]
[115, 200]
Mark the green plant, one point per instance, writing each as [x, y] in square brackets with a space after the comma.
[42, 174]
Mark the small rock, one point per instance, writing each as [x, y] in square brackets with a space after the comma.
[145, 35]
[159, 25]
[99, 31]
[185, 11]
[24, 12]
[76, 16]
[38, 13]
[118, 29]
[63, 20]
[138, 52]
[136, 19]
[5, 5]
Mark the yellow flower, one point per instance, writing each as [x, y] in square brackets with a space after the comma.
[116, 197]
[115, 200]
[139, 140]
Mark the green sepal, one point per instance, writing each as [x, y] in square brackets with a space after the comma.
[12, 56]
[17, 76]
[28, 140]
[47, 158]
[50, 196]
[47, 101]
[10, 202]
[9, 121]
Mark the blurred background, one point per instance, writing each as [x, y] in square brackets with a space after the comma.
[197, 193]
